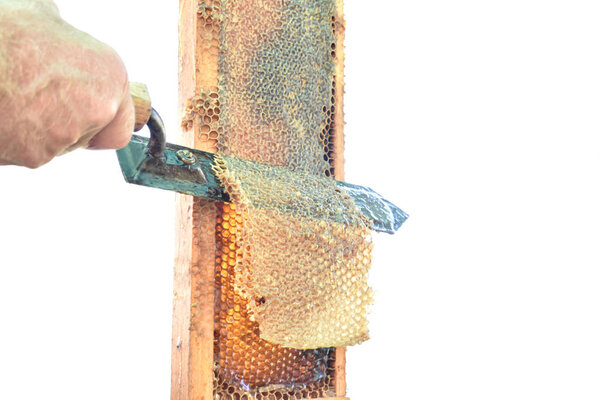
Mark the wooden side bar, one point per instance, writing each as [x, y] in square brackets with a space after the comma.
[340, 371]
[193, 304]
[338, 136]
[333, 398]
[338, 140]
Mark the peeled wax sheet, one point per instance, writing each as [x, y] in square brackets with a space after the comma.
[304, 254]
[304, 249]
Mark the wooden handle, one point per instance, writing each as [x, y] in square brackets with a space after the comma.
[141, 102]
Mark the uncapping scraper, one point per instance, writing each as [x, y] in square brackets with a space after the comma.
[154, 162]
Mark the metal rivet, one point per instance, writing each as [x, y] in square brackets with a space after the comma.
[186, 157]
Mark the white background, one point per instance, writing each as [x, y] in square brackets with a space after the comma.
[479, 118]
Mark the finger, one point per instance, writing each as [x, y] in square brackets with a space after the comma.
[118, 132]
[83, 142]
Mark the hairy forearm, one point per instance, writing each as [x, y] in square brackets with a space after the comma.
[34, 5]
[16, 20]
[23, 47]
[59, 87]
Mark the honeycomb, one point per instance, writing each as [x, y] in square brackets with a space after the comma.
[244, 360]
[276, 74]
[203, 110]
[313, 251]
[275, 104]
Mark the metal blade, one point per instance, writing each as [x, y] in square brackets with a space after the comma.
[190, 171]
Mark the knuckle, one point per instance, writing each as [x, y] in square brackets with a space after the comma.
[102, 114]
[115, 65]
[63, 137]
[34, 160]
[105, 113]
[122, 140]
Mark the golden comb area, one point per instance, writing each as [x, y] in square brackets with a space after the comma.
[246, 363]
[292, 254]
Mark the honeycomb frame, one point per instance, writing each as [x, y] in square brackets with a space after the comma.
[196, 89]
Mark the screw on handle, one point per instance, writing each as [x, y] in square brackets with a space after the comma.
[142, 103]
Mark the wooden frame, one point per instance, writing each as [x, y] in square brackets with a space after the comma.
[338, 138]
[193, 303]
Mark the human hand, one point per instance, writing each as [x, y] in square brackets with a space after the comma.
[60, 89]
